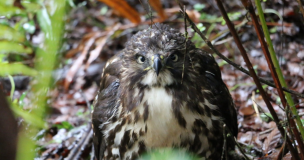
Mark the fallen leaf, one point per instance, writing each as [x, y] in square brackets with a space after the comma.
[296, 69]
[271, 140]
[194, 15]
[157, 6]
[76, 65]
[100, 42]
[124, 9]
[247, 110]
[88, 41]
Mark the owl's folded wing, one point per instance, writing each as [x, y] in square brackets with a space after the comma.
[105, 103]
[220, 91]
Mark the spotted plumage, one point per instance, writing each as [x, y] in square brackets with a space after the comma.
[162, 92]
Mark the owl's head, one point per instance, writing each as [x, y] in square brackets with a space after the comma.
[157, 56]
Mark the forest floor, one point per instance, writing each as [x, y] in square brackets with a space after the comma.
[95, 32]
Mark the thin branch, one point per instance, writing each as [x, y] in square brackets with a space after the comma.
[241, 149]
[301, 8]
[186, 35]
[80, 146]
[86, 137]
[86, 100]
[282, 152]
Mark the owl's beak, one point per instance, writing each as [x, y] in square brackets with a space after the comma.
[157, 65]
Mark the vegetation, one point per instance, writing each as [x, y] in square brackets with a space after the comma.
[37, 37]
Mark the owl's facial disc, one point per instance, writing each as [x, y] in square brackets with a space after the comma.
[159, 62]
[157, 67]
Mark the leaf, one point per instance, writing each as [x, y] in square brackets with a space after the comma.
[266, 117]
[21, 99]
[13, 86]
[157, 6]
[7, 2]
[199, 6]
[27, 116]
[77, 64]
[271, 140]
[9, 11]
[29, 27]
[100, 42]
[269, 10]
[44, 21]
[10, 34]
[64, 125]
[124, 9]
[14, 47]
[31, 6]
[16, 68]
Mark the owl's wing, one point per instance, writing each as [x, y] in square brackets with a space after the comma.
[105, 103]
[220, 91]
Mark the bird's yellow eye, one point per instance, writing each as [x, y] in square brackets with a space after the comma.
[174, 57]
[141, 59]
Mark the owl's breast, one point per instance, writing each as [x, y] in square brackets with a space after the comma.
[155, 123]
[163, 127]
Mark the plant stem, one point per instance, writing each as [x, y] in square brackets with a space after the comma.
[301, 8]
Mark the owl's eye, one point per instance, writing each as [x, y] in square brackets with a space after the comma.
[174, 57]
[141, 59]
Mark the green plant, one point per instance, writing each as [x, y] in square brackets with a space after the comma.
[18, 24]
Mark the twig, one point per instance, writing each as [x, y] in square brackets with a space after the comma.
[268, 23]
[86, 100]
[253, 74]
[149, 13]
[76, 151]
[186, 35]
[301, 8]
[241, 149]
[283, 151]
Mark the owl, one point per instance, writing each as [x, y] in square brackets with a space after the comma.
[162, 92]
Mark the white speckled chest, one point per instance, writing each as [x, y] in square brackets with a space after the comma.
[153, 125]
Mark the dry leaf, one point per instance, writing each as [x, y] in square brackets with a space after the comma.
[83, 42]
[77, 64]
[100, 42]
[271, 140]
[124, 9]
[246, 110]
[287, 156]
[250, 138]
[157, 6]
[97, 39]
[295, 69]
[84, 46]
[194, 15]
